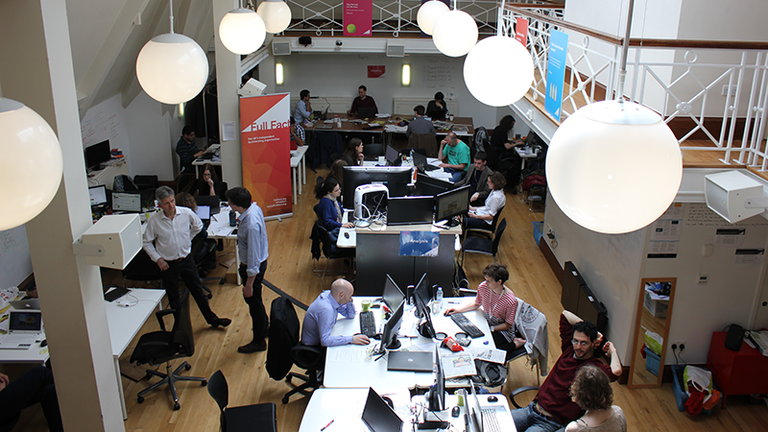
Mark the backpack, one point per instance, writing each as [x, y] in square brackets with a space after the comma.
[489, 374]
[283, 335]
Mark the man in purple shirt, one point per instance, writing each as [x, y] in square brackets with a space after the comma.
[322, 315]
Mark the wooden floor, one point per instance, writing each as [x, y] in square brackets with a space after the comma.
[290, 268]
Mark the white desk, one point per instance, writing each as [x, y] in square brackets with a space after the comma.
[350, 366]
[526, 153]
[106, 176]
[125, 322]
[219, 228]
[298, 170]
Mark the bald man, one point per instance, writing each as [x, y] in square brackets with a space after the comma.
[322, 315]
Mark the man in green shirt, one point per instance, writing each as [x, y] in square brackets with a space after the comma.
[454, 155]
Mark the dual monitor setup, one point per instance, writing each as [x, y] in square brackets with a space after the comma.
[373, 190]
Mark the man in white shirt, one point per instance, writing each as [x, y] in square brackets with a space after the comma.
[168, 242]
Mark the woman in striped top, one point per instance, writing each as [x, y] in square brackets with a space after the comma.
[499, 306]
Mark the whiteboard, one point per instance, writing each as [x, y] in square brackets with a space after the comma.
[15, 261]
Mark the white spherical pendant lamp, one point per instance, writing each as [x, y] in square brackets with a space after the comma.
[428, 14]
[498, 71]
[172, 68]
[32, 178]
[276, 15]
[455, 33]
[614, 167]
[242, 31]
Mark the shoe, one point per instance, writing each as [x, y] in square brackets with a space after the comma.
[253, 347]
[266, 332]
[221, 322]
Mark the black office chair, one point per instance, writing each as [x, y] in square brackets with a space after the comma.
[142, 268]
[163, 346]
[204, 254]
[375, 149]
[488, 232]
[476, 244]
[323, 244]
[248, 418]
[522, 396]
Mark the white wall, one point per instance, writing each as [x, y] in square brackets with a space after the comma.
[339, 75]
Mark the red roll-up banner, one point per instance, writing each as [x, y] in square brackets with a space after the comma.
[266, 147]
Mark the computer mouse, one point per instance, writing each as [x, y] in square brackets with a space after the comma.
[455, 411]
[346, 235]
[44, 343]
[492, 399]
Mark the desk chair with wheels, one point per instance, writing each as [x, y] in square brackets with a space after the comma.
[248, 418]
[163, 346]
[488, 232]
[322, 242]
[476, 244]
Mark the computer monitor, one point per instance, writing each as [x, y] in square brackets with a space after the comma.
[423, 291]
[392, 156]
[396, 179]
[98, 195]
[436, 397]
[428, 186]
[126, 202]
[452, 203]
[204, 212]
[392, 294]
[212, 201]
[379, 416]
[389, 334]
[96, 154]
[410, 210]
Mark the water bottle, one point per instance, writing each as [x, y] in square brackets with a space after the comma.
[439, 298]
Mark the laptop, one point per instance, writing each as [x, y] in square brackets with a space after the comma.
[366, 113]
[211, 201]
[379, 416]
[485, 416]
[26, 304]
[204, 213]
[410, 361]
[420, 162]
[410, 210]
[392, 156]
[24, 328]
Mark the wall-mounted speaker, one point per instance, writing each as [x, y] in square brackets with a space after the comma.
[395, 50]
[281, 47]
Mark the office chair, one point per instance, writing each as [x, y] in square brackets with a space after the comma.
[522, 396]
[322, 242]
[488, 232]
[425, 142]
[247, 418]
[142, 268]
[163, 346]
[476, 244]
[375, 149]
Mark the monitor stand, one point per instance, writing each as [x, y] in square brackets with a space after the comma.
[453, 222]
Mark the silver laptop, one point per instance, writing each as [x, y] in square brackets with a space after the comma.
[24, 329]
[486, 416]
[26, 304]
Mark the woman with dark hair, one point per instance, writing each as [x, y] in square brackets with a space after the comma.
[482, 217]
[337, 171]
[504, 148]
[353, 154]
[328, 210]
[437, 108]
[499, 305]
[592, 391]
[208, 185]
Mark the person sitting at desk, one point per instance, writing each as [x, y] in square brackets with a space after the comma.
[168, 242]
[553, 408]
[499, 305]
[35, 386]
[187, 149]
[477, 179]
[353, 154]
[592, 391]
[303, 109]
[419, 125]
[328, 210]
[208, 185]
[297, 135]
[437, 108]
[363, 101]
[482, 217]
[323, 312]
[454, 155]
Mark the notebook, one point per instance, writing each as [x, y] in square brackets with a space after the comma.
[411, 361]
[379, 416]
[24, 328]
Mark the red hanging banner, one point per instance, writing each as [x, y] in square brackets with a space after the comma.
[521, 31]
[265, 145]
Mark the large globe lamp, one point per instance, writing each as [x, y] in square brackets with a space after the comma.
[428, 14]
[172, 68]
[242, 31]
[455, 33]
[498, 71]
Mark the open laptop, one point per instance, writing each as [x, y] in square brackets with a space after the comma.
[485, 416]
[379, 416]
[26, 304]
[24, 328]
[411, 361]
[212, 202]
[420, 162]
[366, 113]
[204, 213]
[392, 155]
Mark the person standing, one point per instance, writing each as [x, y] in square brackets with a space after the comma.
[363, 101]
[253, 248]
[168, 242]
[303, 109]
[454, 155]
[592, 391]
[187, 149]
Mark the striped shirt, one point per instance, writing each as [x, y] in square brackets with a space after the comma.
[498, 309]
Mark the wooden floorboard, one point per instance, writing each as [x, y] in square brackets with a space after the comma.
[290, 269]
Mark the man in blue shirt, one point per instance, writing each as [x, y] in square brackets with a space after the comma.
[253, 248]
[187, 149]
[303, 108]
[322, 315]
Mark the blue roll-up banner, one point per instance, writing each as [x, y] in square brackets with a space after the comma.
[558, 49]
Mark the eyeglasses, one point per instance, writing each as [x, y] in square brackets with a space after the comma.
[576, 342]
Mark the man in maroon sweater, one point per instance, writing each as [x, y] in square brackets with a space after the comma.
[553, 408]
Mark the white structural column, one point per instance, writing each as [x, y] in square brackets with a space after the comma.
[228, 82]
[36, 69]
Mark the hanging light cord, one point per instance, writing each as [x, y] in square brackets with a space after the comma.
[170, 15]
[624, 53]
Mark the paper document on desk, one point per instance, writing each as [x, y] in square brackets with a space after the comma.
[440, 175]
[343, 355]
[223, 232]
[456, 365]
[760, 338]
[492, 355]
[395, 128]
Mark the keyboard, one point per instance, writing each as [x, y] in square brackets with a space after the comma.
[490, 420]
[367, 324]
[466, 325]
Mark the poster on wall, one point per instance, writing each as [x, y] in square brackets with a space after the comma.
[376, 71]
[358, 17]
[558, 49]
[265, 144]
[521, 30]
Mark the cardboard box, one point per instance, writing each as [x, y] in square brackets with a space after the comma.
[657, 308]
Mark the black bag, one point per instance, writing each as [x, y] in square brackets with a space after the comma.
[489, 374]
[283, 335]
[734, 337]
